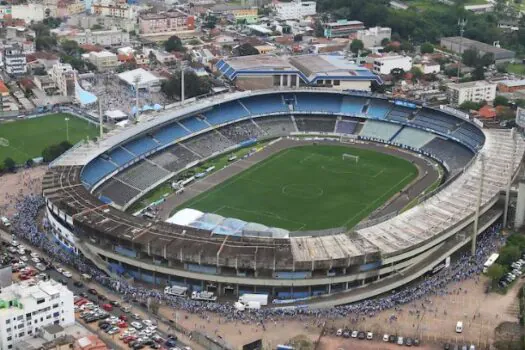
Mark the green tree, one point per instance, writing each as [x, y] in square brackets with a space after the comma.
[52, 22]
[478, 73]
[318, 29]
[385, 42]
[520, 102]
[501, 101]
[70, 47]
[356, 45]
[245, 49]
[193, 85]
[427, 47]
[496, 271]
[210, 22]
[417, 74]
[470, 106]
[509, 254]
[470, 57]
[96, 27]
[173, 44]
[9, 164]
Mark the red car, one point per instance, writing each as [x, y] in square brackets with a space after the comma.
[123, 317]
[81, 302]
[107, 307]
[129, 338]
[24, 277]
[122, 324]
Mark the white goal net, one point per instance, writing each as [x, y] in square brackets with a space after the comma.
[350, 157]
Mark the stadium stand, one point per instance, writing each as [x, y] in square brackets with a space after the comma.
[141, 145]
[469, 134]
[225, 112]
[96, 170]
[241, 131]
[119, 192]
[174, 158]
[346, 126]
[400, 114]
[413, 137]
[378, 108]
[194, 124]
[434, 120]
[289, 275]
[142, 175]
[352, 105]
[265, 104]
[121, 156]
[452, 153]
[170, 133]
[208, 143]
[276, 125]
[330, 103]
[315, 124]
[379, 130]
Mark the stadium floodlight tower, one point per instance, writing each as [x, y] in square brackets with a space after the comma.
[510, 175]
[461, 24]
[136, 81]
[481, 159]
[100, 118]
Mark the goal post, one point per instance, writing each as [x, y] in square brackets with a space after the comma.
[351, 157]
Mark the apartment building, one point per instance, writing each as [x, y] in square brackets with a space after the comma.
[475, 91]
[112, 37]
[372, 37]
[104, 60]
[342, 28]
[165, 22]
[385, 64]
[25, 309]
[296, 9]
[63, 76]
[14, 60]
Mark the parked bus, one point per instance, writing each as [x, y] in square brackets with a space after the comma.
[491, 260]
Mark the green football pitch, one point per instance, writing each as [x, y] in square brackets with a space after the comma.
[25, 139]
[309, 188]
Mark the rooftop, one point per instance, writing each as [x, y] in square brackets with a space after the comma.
[465, 42]
[512, 83]
[468, 84]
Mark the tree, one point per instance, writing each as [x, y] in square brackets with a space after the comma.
[245, 49]
[385, 41]
[495, 272]
[470, 57]
[318, 29]
[520, 102]
[173, 44]
[210, 22]
[54, 151]
[356, 45]
[71, 47]
[501, 101]
[509, 254]
[193, 85]
[9, 164]
[470, 106]
[397, 74]
[52, 22]
[427, 47]
[478, 73]
[96, 27]
[417, 74]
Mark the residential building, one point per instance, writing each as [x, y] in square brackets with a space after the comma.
[428, 67]
[165, 22]
[295, 9]
[481, 8]
[63, 76]
[163, 57]
[374, 36]
[25, 309]
[269, 71]
[511, 85]
[14, 60]
[236, 13]
[342, 28]
[475, 91]
[29, 12]
[88, 21]
[202, 55]
[385, 64]
[113, 8]
[112, 37]
[460, 45]
[104, 60]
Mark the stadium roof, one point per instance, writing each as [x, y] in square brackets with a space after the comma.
[146, 79]
[309, 68]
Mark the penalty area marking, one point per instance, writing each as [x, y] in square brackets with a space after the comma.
[267, 214]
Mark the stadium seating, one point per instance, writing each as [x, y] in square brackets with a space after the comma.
[289, 275]
[379, 130]
[413, 137]
[194, 124]
[469, 134]
[120, 156]
[174, 158]
[378, 108]
[119, 192]
[452, 153]
[306, 102]
[434, 120]
[207, 144]
[242, 131]
[169, 133]
[225, 112]
[142, 175]
[352, 105]
[210, 270]
[96, 170]
[262, 104]
[276, 126]
[141, 145]
[346, 126]
[400, 114]
[314, 124]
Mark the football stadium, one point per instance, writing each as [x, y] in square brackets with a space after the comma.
[343, 196]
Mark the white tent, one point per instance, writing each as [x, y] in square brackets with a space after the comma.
[145, 78]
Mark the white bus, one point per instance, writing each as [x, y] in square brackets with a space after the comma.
[491, 260]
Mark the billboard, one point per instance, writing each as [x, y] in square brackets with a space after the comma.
[520, 117]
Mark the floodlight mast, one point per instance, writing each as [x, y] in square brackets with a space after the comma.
[478, 202]
[509, 180]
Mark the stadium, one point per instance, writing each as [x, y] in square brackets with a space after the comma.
[401, 236]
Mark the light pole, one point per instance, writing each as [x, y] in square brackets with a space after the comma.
[461, 23]
[67, 128]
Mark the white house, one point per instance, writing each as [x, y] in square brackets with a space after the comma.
[385, 64]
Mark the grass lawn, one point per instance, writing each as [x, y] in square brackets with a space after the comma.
[27, 138]
[309, 188]
[516, 68]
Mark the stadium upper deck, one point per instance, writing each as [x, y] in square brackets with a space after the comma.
[405, 236]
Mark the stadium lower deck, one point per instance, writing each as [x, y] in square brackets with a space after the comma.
[296, 267]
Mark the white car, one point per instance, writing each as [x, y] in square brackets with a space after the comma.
[21, 251]
[24, 258]
[137, 325]
[15, 244]
[400, 341]
[339, 332]
[354, 334]
[147, 322]
[369, 336]
[35, 255]
[67, 274]
[35, 260]
[59, 269]
[386, 337]
[40, 266]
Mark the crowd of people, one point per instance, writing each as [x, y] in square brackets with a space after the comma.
[465, 266]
